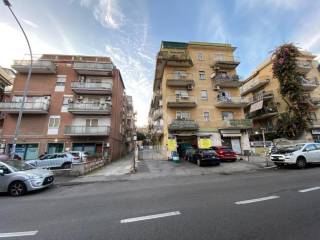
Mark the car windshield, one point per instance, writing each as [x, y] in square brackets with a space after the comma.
[19, 165]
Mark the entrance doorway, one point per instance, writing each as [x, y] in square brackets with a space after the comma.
[55, 147]
[233, 143]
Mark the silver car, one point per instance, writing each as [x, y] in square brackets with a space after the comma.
[18, 177]
[299, 155]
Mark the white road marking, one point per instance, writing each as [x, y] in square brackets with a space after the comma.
[161, 215]
[256, 200]
[18, 234]
[309, 189]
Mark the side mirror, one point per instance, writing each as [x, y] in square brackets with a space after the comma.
[1, 172]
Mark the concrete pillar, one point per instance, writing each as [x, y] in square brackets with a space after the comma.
[216, 139]
[245, 143]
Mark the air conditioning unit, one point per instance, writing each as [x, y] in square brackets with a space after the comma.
[190, 87]
[216, 88]
[80, 97]
[108, 98]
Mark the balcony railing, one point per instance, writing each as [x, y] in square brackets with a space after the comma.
[309, 84]
[181, 101]
[91, 68]
[183, 125]
[226, 81]
[179, 58]
[28, 107]
[254, 84]
[157, 114]
[87, 130]
[262, 96]
[263, 113]
[231, 102]
[90, 87]
[180, 80]
[314, 124]
[303, 66]
[225, 62]
[38, 66]
[90, 108]
[235, 124]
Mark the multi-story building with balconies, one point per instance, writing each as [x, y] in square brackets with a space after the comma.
[266, 102]
[73, 103]
[196, 96]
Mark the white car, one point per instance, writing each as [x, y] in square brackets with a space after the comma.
[55, 160]
[80, 155]
[299, 155]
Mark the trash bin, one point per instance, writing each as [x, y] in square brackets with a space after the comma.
[175, 157]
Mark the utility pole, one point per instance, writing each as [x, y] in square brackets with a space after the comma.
[264, 146]
[26, 86]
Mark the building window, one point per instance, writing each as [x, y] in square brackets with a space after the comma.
[53, 125]
[313, 116]
[183, 115]
[218, 57]
[206, 116]
[61, 82]
[227, 115]
[204, 95]
[200, 56]
[181, 94]
[65, 104]
[92, 122]
[202, 75]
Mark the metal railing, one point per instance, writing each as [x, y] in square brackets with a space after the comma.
[181, 99]
[225, 58]
[93, 66]
[86, 130]
[157, 113]
[235, 123]
[35, 63]
[90, 106]
[226, 78]
[308, 81]
[232, 100]
[304, 64]
[264, 110]
[91, 85]
[180, 76]
[179, 124]
[35, 106]
[254, 83]
[174, 55]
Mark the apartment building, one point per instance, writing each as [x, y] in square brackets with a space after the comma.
[266, 102]
[196, 97]
[73, 103]
[130, 123]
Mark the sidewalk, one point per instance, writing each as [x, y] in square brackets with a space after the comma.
[258, 160]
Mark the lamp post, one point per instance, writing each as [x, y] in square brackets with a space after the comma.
[26, 86]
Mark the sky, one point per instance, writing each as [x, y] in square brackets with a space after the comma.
[131, 31]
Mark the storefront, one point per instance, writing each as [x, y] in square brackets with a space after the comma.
[27, 151]
[94, 149]
[316, 135]
[232, 138]
[55, 147]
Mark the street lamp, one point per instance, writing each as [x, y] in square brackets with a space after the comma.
[26, 86]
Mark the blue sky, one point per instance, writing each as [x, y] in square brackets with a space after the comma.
[130, 31]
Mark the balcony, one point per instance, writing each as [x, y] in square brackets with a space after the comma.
[226, 81]
[264, 95]
[157, 114]
[157, 130]
[303, 66]
[86, 130]
[91, 88]
[28, 107]
[175, 58]
[235, 124]
[38, 66]
[225, 62]
[265, 112]
[309, 84]
[180, 80]
[314, 124]
[254, 84]
[93, 68]
[181, 102]
[90, 108]
[231, 102]
[183, 125]
[314, 102]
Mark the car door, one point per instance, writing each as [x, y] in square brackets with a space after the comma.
[4, 179]
[48, 161]
[310, 153]
[317, 153]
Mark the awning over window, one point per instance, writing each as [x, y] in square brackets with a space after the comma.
[256, 106]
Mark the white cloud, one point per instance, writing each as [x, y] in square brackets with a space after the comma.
[107, 12]
[30, 23]
[13, 45]
[286, 4]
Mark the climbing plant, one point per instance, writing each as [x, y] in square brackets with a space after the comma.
[294, 122]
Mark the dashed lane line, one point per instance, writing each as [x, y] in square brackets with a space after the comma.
[18, 234]
[309, 189]
[143, 218]
[256, 200]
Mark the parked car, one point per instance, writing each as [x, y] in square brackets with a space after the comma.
[18, 177]
[7, 157]
[225, 153]
[80, 155]
[205, 157]
[299, 155]
[56, 160]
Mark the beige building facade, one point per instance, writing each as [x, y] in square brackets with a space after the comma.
[196, 96]
[266, 102]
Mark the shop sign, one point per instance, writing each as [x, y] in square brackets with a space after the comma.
[172, 144]
[204, 143]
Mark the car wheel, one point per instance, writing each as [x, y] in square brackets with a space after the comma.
[66, 165]
[301, 163]
[17, 189]
[199, 163]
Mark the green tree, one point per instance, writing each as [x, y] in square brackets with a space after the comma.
[141, 136]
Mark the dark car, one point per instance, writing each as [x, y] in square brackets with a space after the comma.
[205, 157]
[225, 153]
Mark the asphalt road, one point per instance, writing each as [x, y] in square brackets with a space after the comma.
[261, 205]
